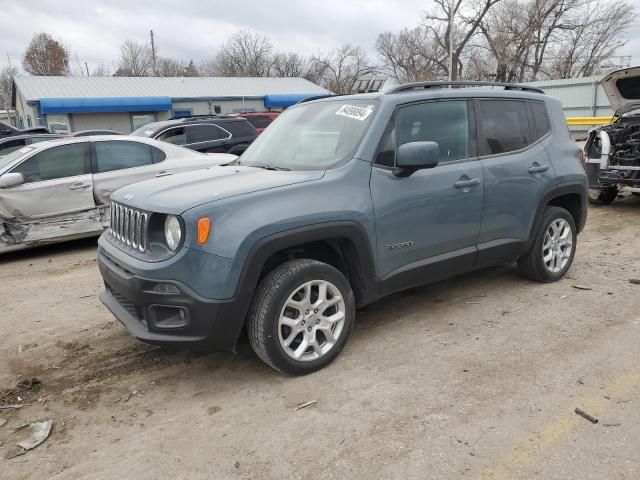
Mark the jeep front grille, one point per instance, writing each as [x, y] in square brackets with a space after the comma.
[128, 226]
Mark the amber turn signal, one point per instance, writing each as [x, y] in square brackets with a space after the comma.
[204, 227]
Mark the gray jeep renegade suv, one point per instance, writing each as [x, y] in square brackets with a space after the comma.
[341, 201]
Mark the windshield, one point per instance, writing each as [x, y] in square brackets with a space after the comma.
[313, 136]
[6, 160]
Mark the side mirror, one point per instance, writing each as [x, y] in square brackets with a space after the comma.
[11, 180]
[414, 156]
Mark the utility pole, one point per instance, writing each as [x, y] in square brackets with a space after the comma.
[451, 27]
[87, 68]
[153, 53]
[9, 60]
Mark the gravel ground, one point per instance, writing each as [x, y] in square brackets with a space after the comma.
[476, 377]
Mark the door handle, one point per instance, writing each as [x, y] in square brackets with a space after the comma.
[537, 168]
[163, 174]
[79, 186]
[467, 182]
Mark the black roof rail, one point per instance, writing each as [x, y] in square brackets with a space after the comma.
[318, 97]
[201, 117]
[462, 83]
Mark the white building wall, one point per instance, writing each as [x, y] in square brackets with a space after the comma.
[120, 122]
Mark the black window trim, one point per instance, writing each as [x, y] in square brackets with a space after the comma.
[510, 152]
[473, 135]
[94, 157]
[87, 161]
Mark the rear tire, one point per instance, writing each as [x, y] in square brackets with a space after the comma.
[301, 316]
[603, 196]
[554, 246]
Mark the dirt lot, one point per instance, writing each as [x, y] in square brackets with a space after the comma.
[477, 377]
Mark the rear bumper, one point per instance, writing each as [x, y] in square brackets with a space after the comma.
[168, 312]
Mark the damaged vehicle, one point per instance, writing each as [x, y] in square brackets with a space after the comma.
[613, 150]
[60, 190]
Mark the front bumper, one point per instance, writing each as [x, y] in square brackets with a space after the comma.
[167, 312]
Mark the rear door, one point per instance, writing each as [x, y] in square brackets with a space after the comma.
[516, 170]
[57, 182]
[117, 163]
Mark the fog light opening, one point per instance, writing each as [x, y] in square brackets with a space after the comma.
[168, 317]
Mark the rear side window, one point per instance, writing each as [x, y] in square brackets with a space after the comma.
[240, 128]
[205, 133]
[116, 155]
[177, 136]
[11, 146]
[504, 126]
[259, 121]
[53, 163]
[540, 119]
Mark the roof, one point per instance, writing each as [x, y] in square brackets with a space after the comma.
[33, 88]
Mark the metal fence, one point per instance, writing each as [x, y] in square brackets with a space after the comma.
[582, 100]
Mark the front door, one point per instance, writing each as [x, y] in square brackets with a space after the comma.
[427, 224]
[56, 197]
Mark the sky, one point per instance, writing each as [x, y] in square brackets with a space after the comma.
[191, 29]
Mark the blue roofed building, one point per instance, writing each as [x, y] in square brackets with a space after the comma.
[70, 104]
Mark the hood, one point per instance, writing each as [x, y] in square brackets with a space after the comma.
[180, 192]
[623, 89]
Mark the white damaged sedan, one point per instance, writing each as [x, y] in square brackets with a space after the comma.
[60, 190]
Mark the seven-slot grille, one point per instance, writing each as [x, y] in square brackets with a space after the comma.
[129, 226]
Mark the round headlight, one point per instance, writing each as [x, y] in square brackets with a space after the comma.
[172, 232]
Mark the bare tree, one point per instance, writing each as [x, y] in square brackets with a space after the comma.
[592, 35]
[191, 70]
[244, 54]
[135, 60]
[101, 71]
[411, 55]
[289, 65]
[340, 69]
[46, 56]
[6, 86]
[465, 16]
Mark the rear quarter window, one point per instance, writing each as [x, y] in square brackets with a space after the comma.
[541, 125]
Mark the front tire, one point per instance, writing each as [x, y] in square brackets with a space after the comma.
[603, 196]
[301, 316]
[554, 246]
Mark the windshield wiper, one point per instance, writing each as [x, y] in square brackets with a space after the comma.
[269, 167]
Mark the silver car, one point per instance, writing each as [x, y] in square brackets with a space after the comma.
[60, 190]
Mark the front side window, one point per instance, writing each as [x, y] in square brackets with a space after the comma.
[57, 162]
[116, 155]
[446, 123]
[176, 136]
[312, 136]
[504, 126]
